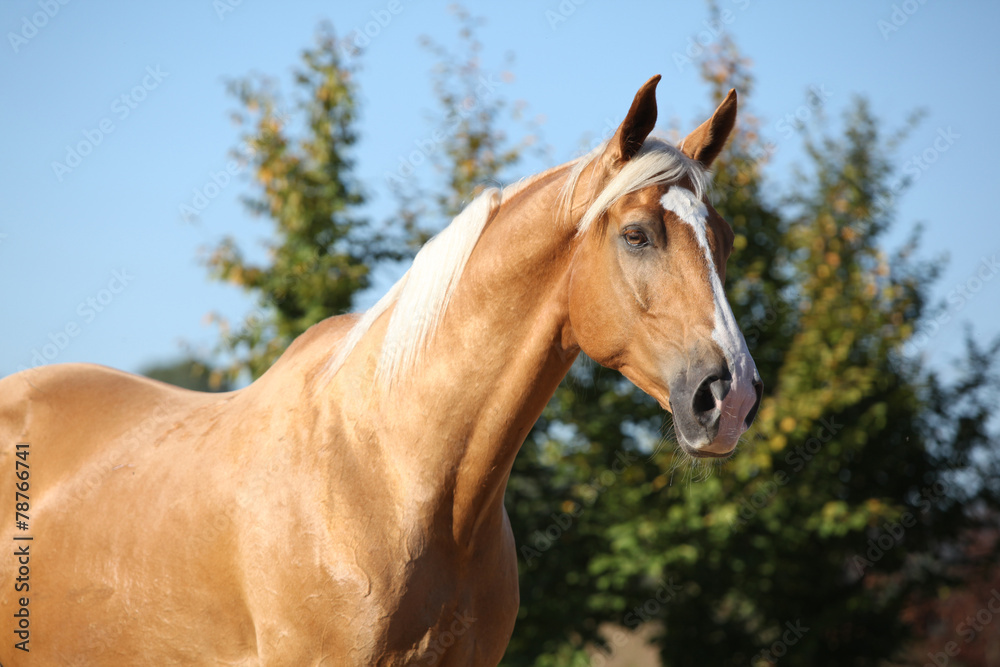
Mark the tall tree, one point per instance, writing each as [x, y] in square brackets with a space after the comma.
[321, 250]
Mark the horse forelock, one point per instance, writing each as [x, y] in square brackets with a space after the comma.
[658, 162]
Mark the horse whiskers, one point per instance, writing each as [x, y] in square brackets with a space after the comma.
[667, 435]
[681, 458]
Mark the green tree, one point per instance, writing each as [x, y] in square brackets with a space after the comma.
[771, 556]
[321, 250]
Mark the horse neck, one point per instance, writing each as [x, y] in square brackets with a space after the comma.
[452, 427]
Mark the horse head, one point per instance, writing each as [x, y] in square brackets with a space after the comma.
[646, 290]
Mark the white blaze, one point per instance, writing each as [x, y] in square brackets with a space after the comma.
[727, 335]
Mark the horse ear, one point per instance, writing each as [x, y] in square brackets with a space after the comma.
[706, 142]
[639, 122]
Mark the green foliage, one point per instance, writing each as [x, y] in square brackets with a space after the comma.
[321, 251]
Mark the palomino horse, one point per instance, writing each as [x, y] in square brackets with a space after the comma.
[347, 507]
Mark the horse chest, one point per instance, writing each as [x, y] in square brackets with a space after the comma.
[453, 613]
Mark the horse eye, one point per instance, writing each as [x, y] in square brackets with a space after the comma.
[635, 238]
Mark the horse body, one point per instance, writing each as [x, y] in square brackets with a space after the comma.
[331, 515]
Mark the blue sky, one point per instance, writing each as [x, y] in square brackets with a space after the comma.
[97, 263]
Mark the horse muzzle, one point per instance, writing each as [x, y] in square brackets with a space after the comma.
[713, 405]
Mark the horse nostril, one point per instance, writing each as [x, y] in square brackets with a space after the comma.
[758, 388]
[710, 393]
